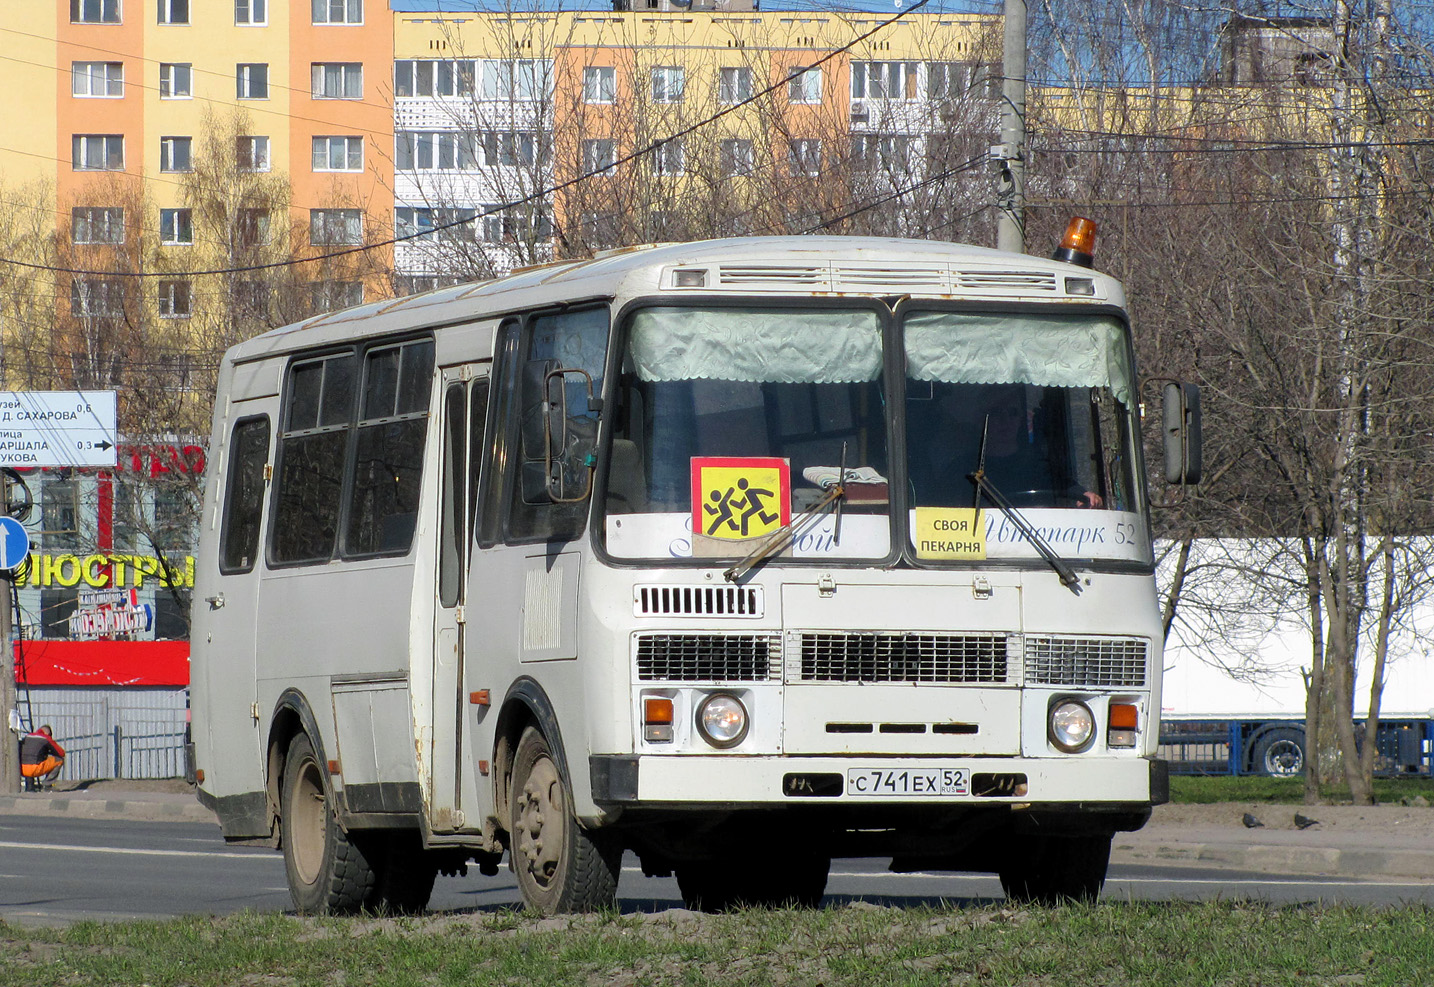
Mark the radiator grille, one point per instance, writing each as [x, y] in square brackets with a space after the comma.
[874, 657]
[709, 657]
[1092, 661]
[1005, 281]
[698, 601]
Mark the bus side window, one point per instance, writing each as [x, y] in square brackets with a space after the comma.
[244, 495]
[388, 459]
[313, 443]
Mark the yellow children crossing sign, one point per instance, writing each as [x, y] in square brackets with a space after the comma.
[740, 497]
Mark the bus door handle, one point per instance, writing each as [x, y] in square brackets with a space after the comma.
[215, 602]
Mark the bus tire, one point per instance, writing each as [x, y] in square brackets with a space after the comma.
[560, 866]
[1279, 753]
[724, 885]
[328, 872]
[1054, 870]
[406, 875]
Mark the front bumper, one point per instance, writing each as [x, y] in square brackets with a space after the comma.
[736, 782]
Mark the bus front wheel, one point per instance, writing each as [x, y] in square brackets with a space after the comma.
[1052, 870]
[328, 873]
[561, 867]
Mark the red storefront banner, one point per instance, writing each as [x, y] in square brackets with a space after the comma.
[102, 664]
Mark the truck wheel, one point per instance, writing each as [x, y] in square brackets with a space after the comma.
[560, 866]
[328, 873]
[722, 885]
[1052, 870]
[1280, 753]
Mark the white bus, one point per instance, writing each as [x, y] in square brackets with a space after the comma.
[737, 555]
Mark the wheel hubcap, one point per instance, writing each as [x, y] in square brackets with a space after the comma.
[541, 817]
[307, 832]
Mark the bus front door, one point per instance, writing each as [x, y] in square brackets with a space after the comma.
[465, 402]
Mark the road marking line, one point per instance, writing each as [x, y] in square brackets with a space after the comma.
[152, 853]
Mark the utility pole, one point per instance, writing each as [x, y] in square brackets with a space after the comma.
[1010, 155]
[9, 694]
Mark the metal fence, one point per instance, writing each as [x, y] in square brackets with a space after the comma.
[115, 733]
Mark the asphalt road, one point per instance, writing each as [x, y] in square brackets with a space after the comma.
[57, 870]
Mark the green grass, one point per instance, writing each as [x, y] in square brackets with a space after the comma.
[1202, 945]
[1288, 791]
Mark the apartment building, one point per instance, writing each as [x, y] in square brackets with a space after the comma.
[524, 133]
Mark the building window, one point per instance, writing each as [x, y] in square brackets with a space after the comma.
[600, 156]
[668, 82]
[337, 80]
[174, 154]
[600, 229]
[250, 299]
[97, 225]
[883, 80]
[438, 151]
[805, 86]
[97, 79]
[804, 156]
[521, 79]
[335, 227]
[174, 299]
[97, 152]
[734, 84]
[251, 12]
[737, 158]
[174, 11]
[331, 296]
[412, 221]
[59, 512]
[510, 148]
[338, 11]
[668, 158]
[251, 80]
[338, 154]
[176, 80]
[434, 77]
[251, 153]
[96, 298]
[599, 84]
[94, 11]
[251, 228]
[176, 227]
[886, 153]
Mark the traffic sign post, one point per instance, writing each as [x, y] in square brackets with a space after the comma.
[57, 428]
[14, 547]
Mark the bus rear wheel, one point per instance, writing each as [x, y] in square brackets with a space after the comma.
[561, 867]
[328, 873]
[724, 885]
[1054, 870]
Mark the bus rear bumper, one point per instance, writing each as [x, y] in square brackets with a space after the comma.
[766, 782]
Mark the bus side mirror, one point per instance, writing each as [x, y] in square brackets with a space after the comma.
[1181, 431]
[558, 438]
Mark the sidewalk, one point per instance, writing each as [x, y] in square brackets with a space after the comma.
[172, 801]
[1383, 841]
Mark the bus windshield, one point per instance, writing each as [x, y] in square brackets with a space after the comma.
[746, 413]
[731, 422]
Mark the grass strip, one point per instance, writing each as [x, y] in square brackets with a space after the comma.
[1287, 791]
[1203, 944]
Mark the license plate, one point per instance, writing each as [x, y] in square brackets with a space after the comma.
[926, 782]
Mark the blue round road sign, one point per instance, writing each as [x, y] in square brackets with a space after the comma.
[14, 542]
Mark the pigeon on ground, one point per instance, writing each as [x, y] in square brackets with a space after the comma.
[1250, 821]
[1304, 822]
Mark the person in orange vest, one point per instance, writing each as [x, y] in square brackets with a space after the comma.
[41, 758]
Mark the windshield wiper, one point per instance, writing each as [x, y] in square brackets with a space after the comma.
[780, 538]
[1067, 575]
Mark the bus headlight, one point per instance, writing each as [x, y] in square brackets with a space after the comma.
[1072, 726]
[722, 720]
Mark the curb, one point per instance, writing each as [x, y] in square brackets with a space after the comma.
[178, 810]
[1276, 860]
